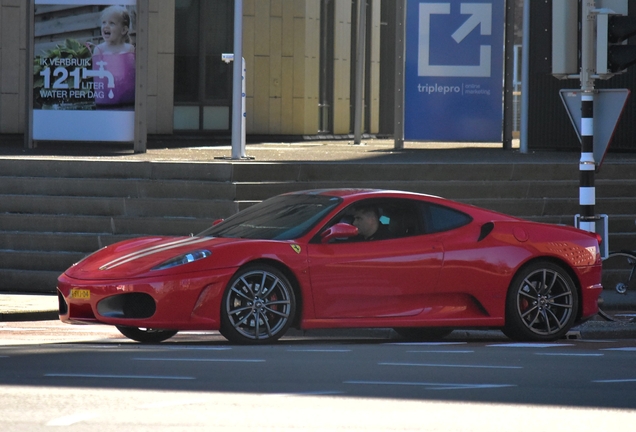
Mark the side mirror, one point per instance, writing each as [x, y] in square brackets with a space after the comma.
[339, 230]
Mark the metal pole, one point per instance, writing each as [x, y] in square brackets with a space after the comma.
[141, 78]
[28, 127]
[243, 106]
[398, 114]
[360, 57]
[587, 165]
[525, 75]
[508, 75]
[237, 82]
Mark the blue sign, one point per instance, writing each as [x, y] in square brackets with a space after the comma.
[454, 70]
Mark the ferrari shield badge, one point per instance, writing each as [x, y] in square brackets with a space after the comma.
[296, 248]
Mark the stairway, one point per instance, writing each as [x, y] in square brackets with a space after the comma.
[54, 212]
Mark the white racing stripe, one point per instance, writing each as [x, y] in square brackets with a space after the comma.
[152, 250]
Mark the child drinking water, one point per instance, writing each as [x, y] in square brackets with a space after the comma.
[115, 58]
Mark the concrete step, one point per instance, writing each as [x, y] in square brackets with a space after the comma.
[28, 281]
[52, 242]
[345, 171]
[218, 171]
[622, 241]
[108, 206]
[447, 189]
[38, 260]
[123, 188]
[102, 224]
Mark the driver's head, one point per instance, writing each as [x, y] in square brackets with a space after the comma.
[367, 220]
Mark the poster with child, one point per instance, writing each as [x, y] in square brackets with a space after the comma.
[84, 70]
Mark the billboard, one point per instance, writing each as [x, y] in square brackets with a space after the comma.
[454, 70]
[84, 70]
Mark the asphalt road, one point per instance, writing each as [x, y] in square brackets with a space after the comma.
[90, 378]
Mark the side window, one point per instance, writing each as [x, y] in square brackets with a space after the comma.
[396, 217]
[441, 218]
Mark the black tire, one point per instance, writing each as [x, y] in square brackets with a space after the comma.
[146, 335]
[618, 299]
[423, 333]
[258, 305]
[542, 303]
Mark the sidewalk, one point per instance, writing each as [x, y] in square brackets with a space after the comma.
[28, 307]
[198, 150]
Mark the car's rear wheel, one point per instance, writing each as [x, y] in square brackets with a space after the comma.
[146, 335]
[258, 305]
[423, 333]
[542, 303]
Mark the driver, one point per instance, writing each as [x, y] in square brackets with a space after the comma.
[367, 220]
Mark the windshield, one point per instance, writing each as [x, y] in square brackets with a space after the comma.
[284, 217]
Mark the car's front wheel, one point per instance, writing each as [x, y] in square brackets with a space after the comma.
[146, 335]
[258, 305]
[542, 303]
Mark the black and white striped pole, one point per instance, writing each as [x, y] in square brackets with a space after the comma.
[587, 164]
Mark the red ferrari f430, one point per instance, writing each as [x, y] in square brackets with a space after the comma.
[343, 258]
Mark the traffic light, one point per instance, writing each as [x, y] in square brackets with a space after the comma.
[613, 52]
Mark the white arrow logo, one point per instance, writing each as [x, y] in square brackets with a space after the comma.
[480, 15]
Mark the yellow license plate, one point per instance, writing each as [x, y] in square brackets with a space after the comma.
[80, 294]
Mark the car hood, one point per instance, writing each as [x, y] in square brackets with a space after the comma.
[137, 257]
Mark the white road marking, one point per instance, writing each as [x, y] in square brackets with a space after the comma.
[320, 350]
[308, 393]
[199, 360]
[571, 354]
[195, 348]
[65, 375]
[427, 343]
[444, 351]
[72, 419]
[433, 386]
[451, 366]
[620, 349]
[529, 345]
[615, 381]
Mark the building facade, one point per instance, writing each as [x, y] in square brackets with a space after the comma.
[299, 58]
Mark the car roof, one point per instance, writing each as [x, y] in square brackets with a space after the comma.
[356, 192]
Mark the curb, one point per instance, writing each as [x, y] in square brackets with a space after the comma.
[29, 316]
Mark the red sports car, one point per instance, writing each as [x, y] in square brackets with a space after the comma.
[340, 258]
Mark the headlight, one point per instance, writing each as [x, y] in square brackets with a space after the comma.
[184, 259]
